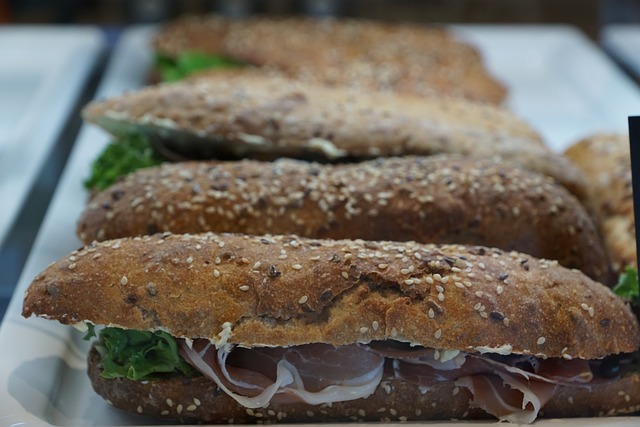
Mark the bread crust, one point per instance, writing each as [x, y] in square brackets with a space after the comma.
[199, 400]
[236, 115]
[438, 199]
[605, 160]
[368, 55]
[282, 291]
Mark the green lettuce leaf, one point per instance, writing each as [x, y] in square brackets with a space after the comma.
[140, 355]
[627, 286]
[120, 158]
[187, 63]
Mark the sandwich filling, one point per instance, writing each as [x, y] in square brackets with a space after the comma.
[512, 388]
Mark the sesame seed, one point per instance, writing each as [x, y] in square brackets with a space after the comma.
[139, 409]
[382, 266]
[439, 288]
[479, 294]
[124, 280]
[216, 273]
[197, 401]
[96, 255]
[432, 314]
[296, 266]
[505, 321]
[375, 325]
[169, 403]
[440, 297]
[244, 287]
[192, 408]
[315, 258]
[345, 274]
[189, 260]
[303, 299]
[429, 280]
[405, 271]
[591, 312]
[541, 340]
[363, 330]
[72, 266]
[499, 289]
[438, 334]
[257, 265]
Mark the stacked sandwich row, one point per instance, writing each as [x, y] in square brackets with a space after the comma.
[343, 226]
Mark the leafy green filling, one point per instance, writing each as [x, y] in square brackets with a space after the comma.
[121, 157]
[187, 63]
[140, 355]
[627, 286]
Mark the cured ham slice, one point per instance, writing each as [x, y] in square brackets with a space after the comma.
[512, 388]
[508, 397]
[314, 373]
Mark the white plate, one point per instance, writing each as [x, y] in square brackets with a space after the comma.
[623, 42]
[43, 70]
[559, 82]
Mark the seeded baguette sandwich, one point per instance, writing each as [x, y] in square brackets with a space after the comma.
[437, 199]
[237, 328]
[237, 115]
[367, 55]
[606, 162]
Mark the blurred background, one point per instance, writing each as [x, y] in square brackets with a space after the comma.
[588, 15]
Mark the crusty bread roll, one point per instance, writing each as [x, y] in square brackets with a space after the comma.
[236, 115]
[271, 289]
[280, 292]
[606, 162]
[405, 58]
[437, 199]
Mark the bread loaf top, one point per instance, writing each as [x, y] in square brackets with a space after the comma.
[286, 290]
[238, 114]
[368, 55]
[606, 162]
[435, 199]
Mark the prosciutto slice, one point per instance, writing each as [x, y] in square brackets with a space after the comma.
[314, 373]
[508, 397]
[512, 388]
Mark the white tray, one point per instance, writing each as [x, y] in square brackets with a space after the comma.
[623, 42]
[43, 70]
[558, 81]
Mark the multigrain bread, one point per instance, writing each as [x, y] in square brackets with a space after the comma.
[606, 162]
[268, 290]
[437, 199]
[236, 115]
[287, 291]
[367, 55]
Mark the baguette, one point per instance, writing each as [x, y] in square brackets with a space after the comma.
[437, 199]
[474, 304]
[606, 161]
[237, 115]
[367, 55]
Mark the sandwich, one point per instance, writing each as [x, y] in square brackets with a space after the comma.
[234, 328]
[606, 162]
[367, 55]
[231, 116]
[436, 199]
